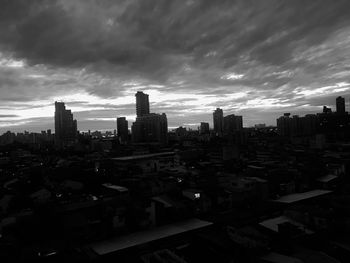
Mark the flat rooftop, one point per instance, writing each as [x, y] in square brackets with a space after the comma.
[326, 178]
[277, 258]
[273, 223]
[301, 196]
[142, 156]
[138, 238]
[116, 187]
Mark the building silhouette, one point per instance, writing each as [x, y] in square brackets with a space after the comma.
[232, 123]
[204, 128]
[142, 104]
[148, 127]
[334, 124]
[284, 125]
[122, 129]
[340, 105]
[65, 125]
[218, 120]
[327, 110]
[309, 123]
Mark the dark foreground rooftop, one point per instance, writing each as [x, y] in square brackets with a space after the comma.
[138, 238]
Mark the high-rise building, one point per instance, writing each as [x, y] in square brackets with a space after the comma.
[218, 120]
[309, 124]
[150, 128]
[65, 125]
[296, 126]
[122, 127]
[340, 104]
[204, 128]
[232, 123]
[284, 125]
[142, 104]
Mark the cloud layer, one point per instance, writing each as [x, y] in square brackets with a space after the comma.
[250, 57]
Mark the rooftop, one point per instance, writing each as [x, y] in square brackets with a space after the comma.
[116, 187]
[275, 257]
[138, 238]
[326, 178]
[301, 196]
[143, 156]
[273, 223]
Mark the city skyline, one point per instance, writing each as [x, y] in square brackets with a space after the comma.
[340, 107]
[257, 61]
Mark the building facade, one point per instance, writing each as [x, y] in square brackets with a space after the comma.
[122, 129]
[142, 104]
[218, 120]
[65, 125]
[232, 123]
[148, 127]
[204, 128]
[340, 105]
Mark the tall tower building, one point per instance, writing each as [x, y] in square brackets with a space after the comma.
[340, 104]
[148, 127]
[284, 125]
[232, 123]
[122, 128]
[65, 125]
[142, 104]
[218, 120]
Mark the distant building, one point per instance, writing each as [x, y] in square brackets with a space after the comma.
[296, 125]
[142, 104]
[327, 110]
[65, 125]
[122, 128]
[332, 124]
[150, 128]
[284, 125]
[218, 120]
[310, 124]
[232, 123]
[204, 128]
[340, 104]
[180, 131]
[260, 126]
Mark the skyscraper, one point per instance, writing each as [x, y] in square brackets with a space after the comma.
[148, 127]
[65, 125]
[218, 120]
[340, 104]
[284, 125]
[142, 104]
[232, 123]
[122, 128]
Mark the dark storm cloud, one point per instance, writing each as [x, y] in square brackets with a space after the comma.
[158, 36]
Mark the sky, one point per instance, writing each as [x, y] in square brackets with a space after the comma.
[253, 58]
